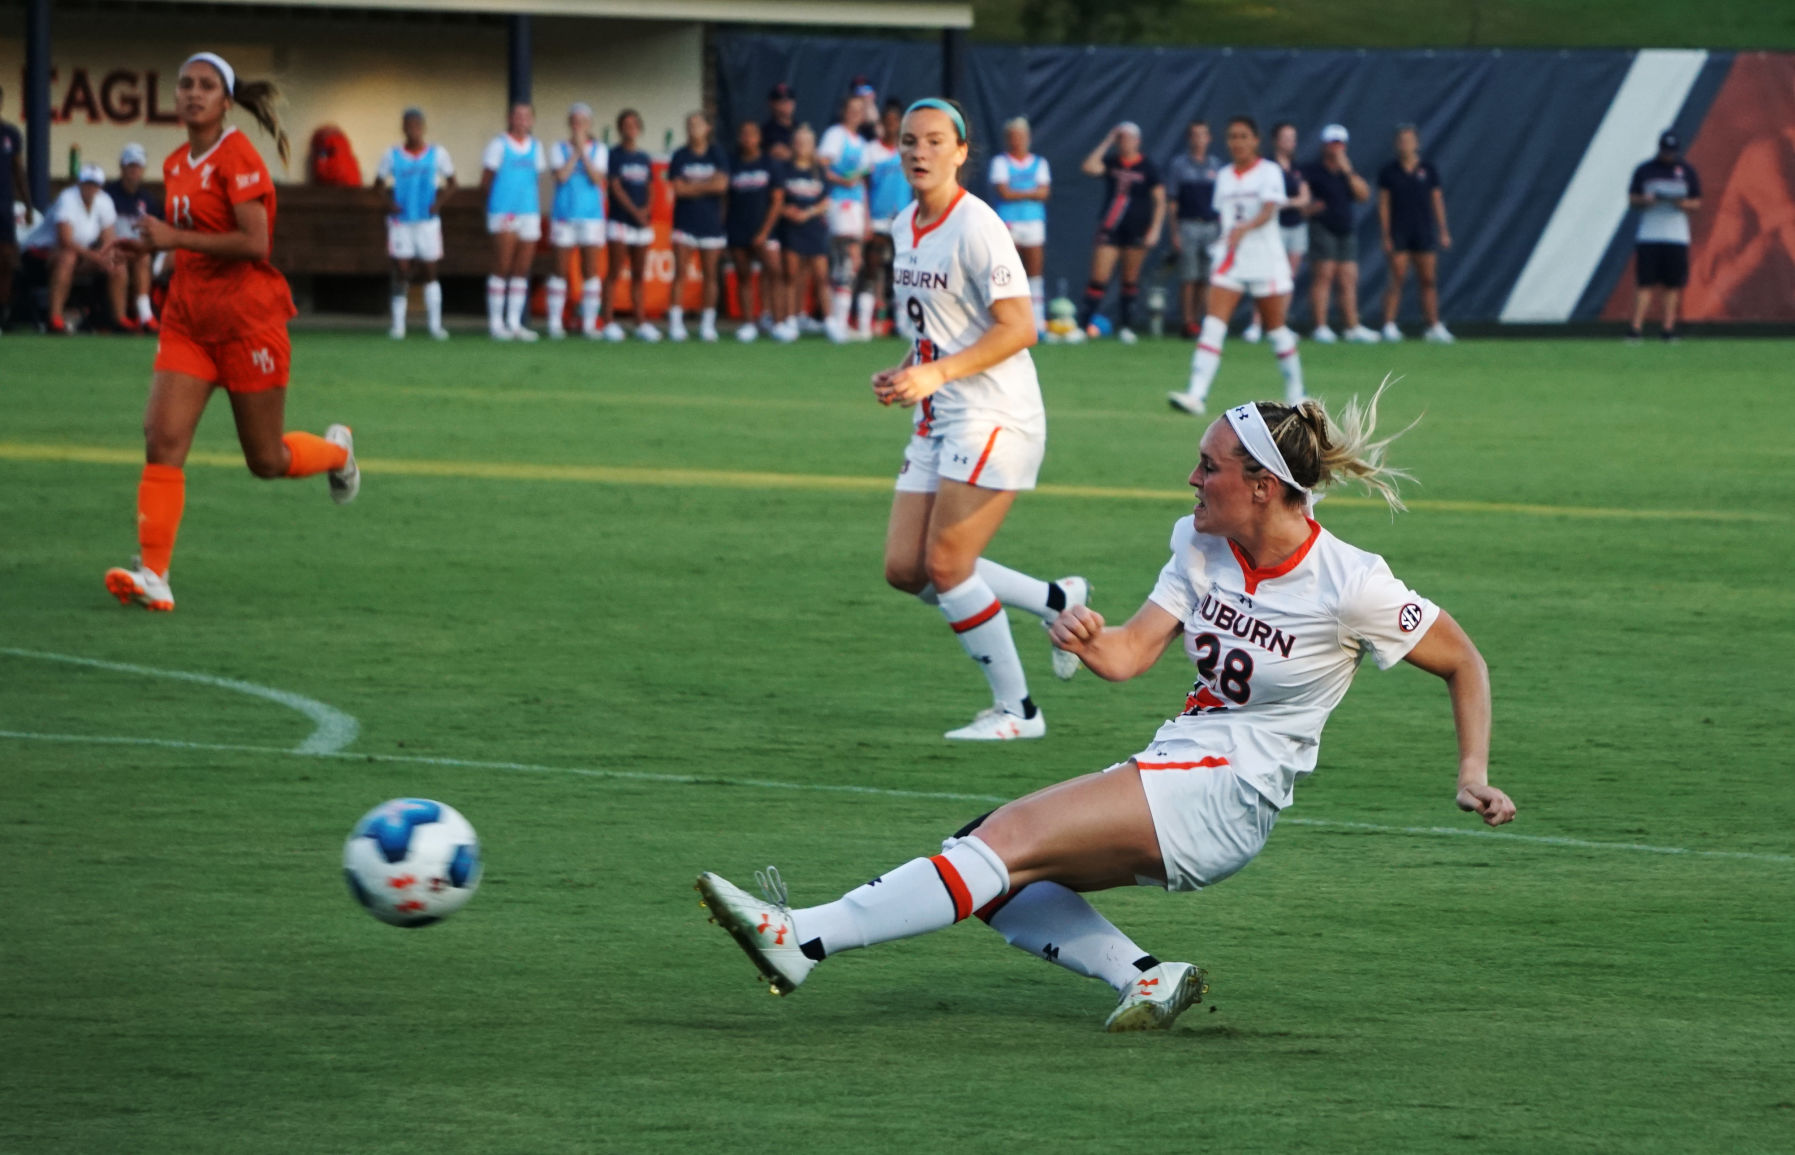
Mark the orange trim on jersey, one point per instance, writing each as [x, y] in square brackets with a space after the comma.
[1208, 762]
[956, 886]
[984, 457]
[1254, 575]
[1238, 171]
[917, 233]
[978, 619]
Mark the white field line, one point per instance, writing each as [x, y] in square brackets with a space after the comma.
[881, 791]
[332, 729]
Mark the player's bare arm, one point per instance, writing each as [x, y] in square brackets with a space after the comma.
[247, 242]
[1093, 163]
[1012, 330]
[1447, 652]
[1117, 654]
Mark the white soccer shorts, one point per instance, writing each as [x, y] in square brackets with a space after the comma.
[1210, 823]
[628, 234]
[847, 219]
[1028, 234]
[681, 237]
[580, 234]
[415, 240]
[526, 226]
[1258, 288]
[988, 456]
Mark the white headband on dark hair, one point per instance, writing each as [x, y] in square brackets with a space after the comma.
[218, 62]
[1255, 437]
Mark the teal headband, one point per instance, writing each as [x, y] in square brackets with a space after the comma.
[944, 106]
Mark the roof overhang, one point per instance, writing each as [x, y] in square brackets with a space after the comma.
[845, 13]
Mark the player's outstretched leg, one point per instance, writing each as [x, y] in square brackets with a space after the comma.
[1044, 599]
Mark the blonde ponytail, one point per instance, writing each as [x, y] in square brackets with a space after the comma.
[261, 99]
[1324, 451]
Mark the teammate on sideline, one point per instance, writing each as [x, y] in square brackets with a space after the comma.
[1134, 208]
[980, 429]
[420, 175]
[888, 191]
[1249, 261]
[1291, 226]
[698, 171]
[1022, 183]
[845, 165]
[225, 322]
[803, 233]
[577, 221]
[630, 229]
[1277, 613]
[756, 196]
[509, 183]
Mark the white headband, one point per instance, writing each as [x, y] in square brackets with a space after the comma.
[224, 70]
[1255, 437]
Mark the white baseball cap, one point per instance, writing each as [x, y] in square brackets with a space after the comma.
[1334, 133]
[133, 154]
[92, 174]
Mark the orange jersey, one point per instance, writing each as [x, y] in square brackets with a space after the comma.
[215, 297]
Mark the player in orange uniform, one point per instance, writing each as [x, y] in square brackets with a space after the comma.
[225, 323]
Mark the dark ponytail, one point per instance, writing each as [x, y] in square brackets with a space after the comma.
[261, 98]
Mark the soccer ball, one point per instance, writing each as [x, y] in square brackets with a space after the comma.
[412, 862]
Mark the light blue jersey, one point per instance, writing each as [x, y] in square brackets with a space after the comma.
[890, 189]
[577, 198]
[414, 179]
[515, 166]
[1020, 176]
[844, 153]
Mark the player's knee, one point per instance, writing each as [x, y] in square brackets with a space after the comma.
[163, 447]
[906, 578]
[945, 570]
[266, 463]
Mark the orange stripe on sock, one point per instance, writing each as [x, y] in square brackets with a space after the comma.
[1209, 762]
[312, 454]
[956, 886]
[978, 619]
[984, 457]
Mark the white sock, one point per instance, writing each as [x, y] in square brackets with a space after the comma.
[676, 316]
[399, 304]
[433, 305]
[1208, 357]
[517, 295]
[590, 293]
[1283, 343]
[557, 302]
[1037, 291]
[1025, 593]
[984, 632]
[1049, 921]
[922, 895]
[841, 300]
[144, 311]
[707, 319]
[863, 312]
[495, 302]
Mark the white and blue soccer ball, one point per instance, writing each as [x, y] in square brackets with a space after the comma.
[412, 862]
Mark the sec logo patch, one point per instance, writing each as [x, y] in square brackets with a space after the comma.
[1000, 275]
[1410, 618]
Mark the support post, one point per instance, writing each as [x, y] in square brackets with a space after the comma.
[37, 103]
[518, 58]
[953, 63]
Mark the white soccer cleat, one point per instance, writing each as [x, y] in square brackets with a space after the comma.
[809, 324]
[762, 927]
[676, 331]
[1324, 335]
[1187, 401]
[995, 724]
[500, 334]
[647, 332]
[747, 334]
[439, 334]
[1254, 333]
[1156, 999]
[1078, 593]
[707, 334]
[1438, 334]
[345, 483]
[836, 332]
[140, 585]
[1360, 335]
[524, 333]
[1127, 336]
[397, 332]
[1076, 337]
[786, 332]
[557, 333]
[614, 332]
[1391, 332]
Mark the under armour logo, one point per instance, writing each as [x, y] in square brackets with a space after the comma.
[1145, 983]
[766, 920]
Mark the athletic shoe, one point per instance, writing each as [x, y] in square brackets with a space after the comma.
[1323, 335]
[557, 333]
[592, 333]
[525, 334]
[345, 483]
[762, 927]
[56, 327]
[1633, 336]
[809, 324]
[1187, 401]
[1438, 334]
[837, 333]
[647, 332]
[397, 333]
[1392, 333]
[141, 585]
[1156, 999]
[995, 724]
[129, 327]
[439, 334]
[1670, 337]
[785, 333]
[1254, 333]
[151, 325]
[499, 334]
[1126, 335]
[614, 332]
[1078, 593]
[676, 331]
[707, 334]
[1360, 335]
[747, 334]
[1075, 337]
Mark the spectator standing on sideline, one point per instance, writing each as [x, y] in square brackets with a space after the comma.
[1020, 183]
[1134, 206]
[887, 192]
[776, 132]
[1410, 204]
[510, 184]
[698, 173]
[1291, 225]
[581, 166]
[870, 116]
[420, 175]
[756, 195]
[80, 224]
[1667, 189]
[1335, 188]
[1190, 187]
[132, 202]
[12, 183]
[629, 228]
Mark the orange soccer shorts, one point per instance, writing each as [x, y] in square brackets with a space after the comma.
[247, 364]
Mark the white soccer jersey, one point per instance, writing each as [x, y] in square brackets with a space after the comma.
[1276, 649]
[1238, 197]
[946, 277]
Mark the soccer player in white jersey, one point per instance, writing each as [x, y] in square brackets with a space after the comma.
[577, 221]
[1277, 614]
[980, 431]
[420, 174]
[1249, 260]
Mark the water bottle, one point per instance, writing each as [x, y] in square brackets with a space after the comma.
[74, 162]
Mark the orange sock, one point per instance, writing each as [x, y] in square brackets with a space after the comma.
[161, 494]
[312, 454]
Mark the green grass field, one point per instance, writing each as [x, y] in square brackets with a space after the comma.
[622, 606]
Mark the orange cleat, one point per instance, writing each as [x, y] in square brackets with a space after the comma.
[140, 585]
